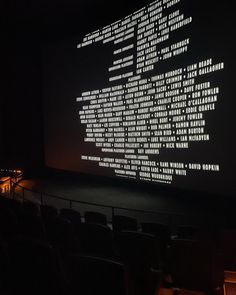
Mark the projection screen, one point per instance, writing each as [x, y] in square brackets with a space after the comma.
[149, 97]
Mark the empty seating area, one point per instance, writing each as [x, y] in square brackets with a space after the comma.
[44, 250]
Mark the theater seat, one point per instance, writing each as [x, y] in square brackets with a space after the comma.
[12, 204]
[228, 248]
[188, 232]
[95, 217]
[72, 215]
[141, 254]
[120, 223]
[30, 208]
[140, 249]
[48, 212]
[196, 266]
[161, 231]
[8, 222]
[35, 268]
[158, 229]
[60, 232]
[4, 266]
[96, 239]
[90, 275]
[32, 226]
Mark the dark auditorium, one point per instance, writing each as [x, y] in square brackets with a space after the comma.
[117, 147]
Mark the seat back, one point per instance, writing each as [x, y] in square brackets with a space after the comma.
[71, 214]
[12, 204]
[228, 248]
[95, 217]
[96, 239]
[120, 223]
[187, 232]
[35, 268]
[139, 249]
[60, 232]
[32, 226]
[196, 265]
[30, 208]
[157, 229]
[92, 275]
[48, 212]
[8, 222]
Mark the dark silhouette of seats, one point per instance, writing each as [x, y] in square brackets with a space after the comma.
[228, 248]
[12, 204]
[188, 232]
[48, 212]
[196, 265]
[8, 222]
[96, 239]
[72, 215]
[92, 275]
[4, 266]
[30, 208]
[159, 230]
[95, 217]
[162, 233]
[141, 254]
[139, 248]
[120, 223]
[32, 226]
[60, 232]
[35, 268]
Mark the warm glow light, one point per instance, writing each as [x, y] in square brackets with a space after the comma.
[8, 175]
[5, 184]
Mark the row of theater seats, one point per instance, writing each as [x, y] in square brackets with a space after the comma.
[44, 251]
